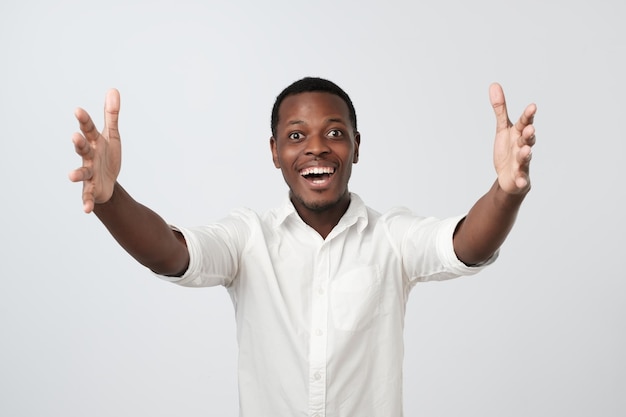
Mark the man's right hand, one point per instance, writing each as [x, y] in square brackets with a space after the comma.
[101, 153]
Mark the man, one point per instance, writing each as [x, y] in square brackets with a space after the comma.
[320, 284]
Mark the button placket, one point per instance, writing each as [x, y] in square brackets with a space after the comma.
[318, 334]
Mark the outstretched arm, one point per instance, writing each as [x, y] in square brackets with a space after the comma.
[139, 230]
[490, 220]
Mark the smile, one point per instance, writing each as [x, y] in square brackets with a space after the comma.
[318, 176]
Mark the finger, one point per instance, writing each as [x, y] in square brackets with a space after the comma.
[88, 198]
[522, 182]
[498, 102]
[80, 174]
[527, 137]
[81, 146]
[524, 156]
[527, 118]
[86, 125]
[111, 114]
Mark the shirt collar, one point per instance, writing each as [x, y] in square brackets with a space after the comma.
[356, 213]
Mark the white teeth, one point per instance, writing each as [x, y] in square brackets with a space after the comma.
[317, 171]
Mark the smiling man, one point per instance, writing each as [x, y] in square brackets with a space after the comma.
[315, 143]
[320, 283]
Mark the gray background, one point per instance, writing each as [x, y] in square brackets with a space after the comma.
[86, 331]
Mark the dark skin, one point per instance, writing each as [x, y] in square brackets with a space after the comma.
[139, 230]
[314, 133]
[490, 220]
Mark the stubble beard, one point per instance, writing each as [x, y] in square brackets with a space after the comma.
[318, 206]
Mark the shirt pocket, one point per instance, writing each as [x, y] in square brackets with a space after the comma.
[355, 298]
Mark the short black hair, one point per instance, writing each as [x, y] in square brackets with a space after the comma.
[310, 85]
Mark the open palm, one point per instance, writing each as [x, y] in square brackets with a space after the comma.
[101, 153]
[513, 143]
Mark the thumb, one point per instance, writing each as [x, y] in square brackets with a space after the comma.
[111, 114]
[498, 102]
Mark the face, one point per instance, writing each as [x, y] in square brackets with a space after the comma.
[315, 147]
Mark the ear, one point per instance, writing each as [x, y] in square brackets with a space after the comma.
[357, 143]
[274, 152]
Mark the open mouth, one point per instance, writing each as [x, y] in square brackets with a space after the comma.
[317, 175]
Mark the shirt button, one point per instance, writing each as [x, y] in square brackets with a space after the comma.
[318, 332]
[320, 291]
[317, 376]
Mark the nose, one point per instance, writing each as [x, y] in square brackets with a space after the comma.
[317, 145]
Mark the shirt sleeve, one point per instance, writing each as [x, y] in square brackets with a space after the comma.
[426, 247]
[214, 251]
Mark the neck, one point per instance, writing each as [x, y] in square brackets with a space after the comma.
[322, 219]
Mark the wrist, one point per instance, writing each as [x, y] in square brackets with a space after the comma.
[505, 198]
[116, 193]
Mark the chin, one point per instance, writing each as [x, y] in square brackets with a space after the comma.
[319, 203]
[319, 206]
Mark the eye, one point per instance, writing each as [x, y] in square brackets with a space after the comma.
[296, 136]
[335, 133]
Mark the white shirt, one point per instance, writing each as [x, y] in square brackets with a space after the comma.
[320, 322]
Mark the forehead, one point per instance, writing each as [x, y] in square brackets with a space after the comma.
[316, 104]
